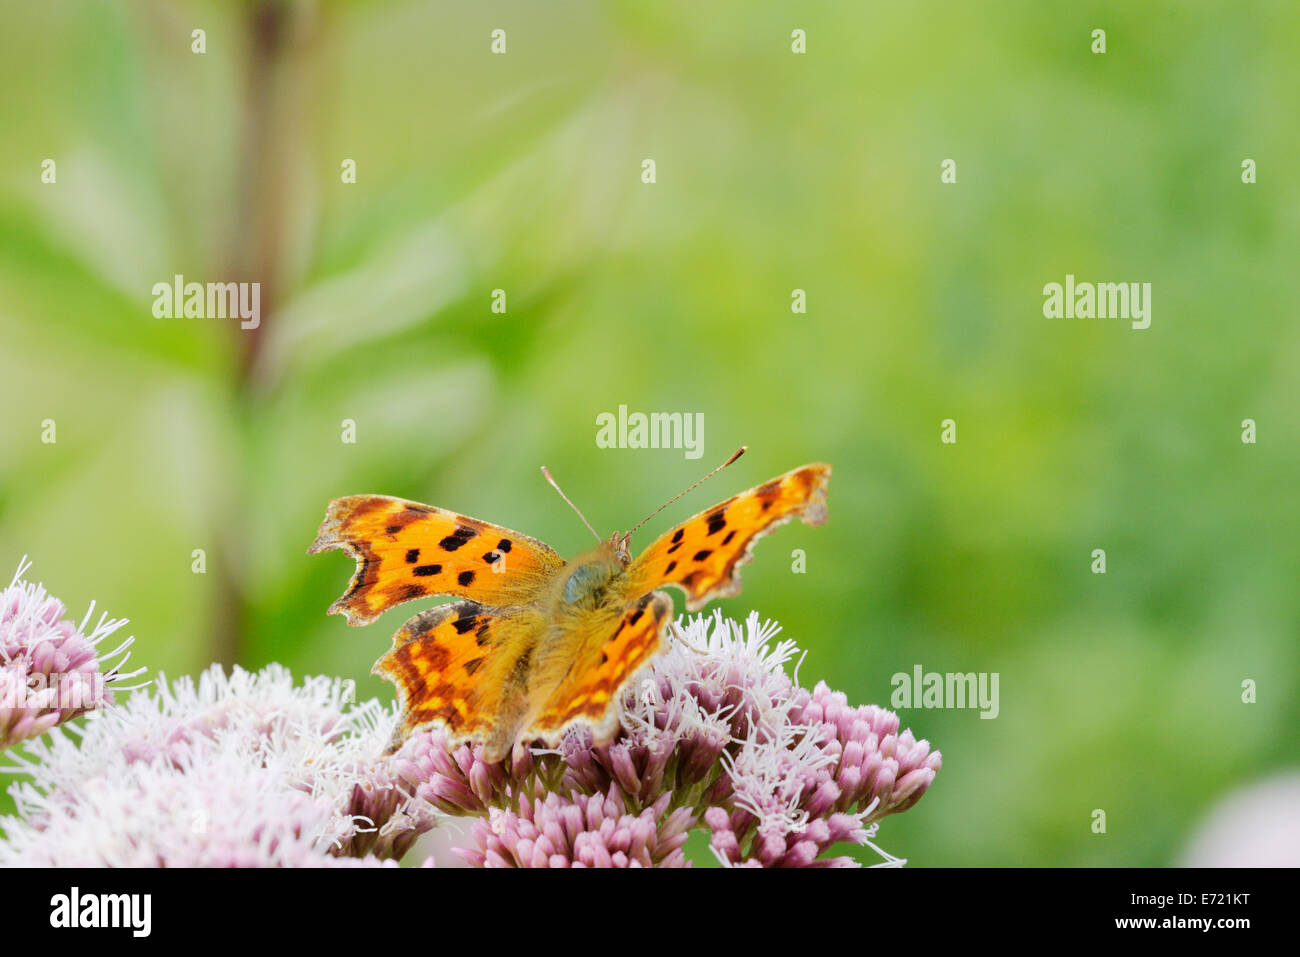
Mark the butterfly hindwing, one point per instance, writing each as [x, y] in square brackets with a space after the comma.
[701, 556]
[591, 690]
[456, 667]
[407, 550]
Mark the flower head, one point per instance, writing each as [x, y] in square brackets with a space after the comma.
[246, 768]
[51, 670]
[583, 830]
[202, 806]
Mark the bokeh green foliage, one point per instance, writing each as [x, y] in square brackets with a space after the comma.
[775, 172]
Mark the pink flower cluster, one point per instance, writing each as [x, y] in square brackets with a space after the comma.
[856, 768]
[51, 670]
[585, 830]
[717, 736]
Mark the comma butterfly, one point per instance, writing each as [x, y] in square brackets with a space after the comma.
[536, 644]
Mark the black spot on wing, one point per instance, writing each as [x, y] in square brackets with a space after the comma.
[503, 545]
[457, 538]
[463, 625]
[702, 554]
[730, 535]
[465, 578]
[424, 571]
[412, 556]
[717, 521]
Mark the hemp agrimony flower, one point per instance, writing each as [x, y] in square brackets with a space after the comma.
[51, 670]
[234, 770]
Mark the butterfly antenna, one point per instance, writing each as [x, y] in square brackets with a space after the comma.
[547, 473]
[734, 455]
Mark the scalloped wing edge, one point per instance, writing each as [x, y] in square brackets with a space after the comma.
[812, 513]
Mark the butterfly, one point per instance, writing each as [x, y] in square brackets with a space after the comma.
[534, 644]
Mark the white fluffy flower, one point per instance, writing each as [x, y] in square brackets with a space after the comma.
[245, 769]
[203, 806]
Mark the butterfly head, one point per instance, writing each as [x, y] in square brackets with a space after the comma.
[589, 577]
[620, 544]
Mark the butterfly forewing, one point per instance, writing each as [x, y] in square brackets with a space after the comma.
[406, 550]
[701, 556]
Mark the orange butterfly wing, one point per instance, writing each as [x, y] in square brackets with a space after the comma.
[591, 691]
[702, 555]
[456, 666]
[407, 550]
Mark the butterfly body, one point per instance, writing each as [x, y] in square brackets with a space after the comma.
[536, 644]
[590, 578]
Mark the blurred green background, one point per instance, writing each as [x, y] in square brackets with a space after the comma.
[775, 171]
